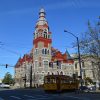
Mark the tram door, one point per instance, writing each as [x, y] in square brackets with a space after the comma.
[58, 83]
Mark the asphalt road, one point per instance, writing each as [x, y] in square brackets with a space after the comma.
[39, 94]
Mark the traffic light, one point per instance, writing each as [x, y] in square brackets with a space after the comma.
[6, 65]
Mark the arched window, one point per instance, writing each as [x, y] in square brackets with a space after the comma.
[45, 30]
[42, 51]
[48, 51]
[36, 51]
[44, 35]
[57, 73]
[48, 73]
[48, 36]
[46, 64]
[61, 73]
[45, 51]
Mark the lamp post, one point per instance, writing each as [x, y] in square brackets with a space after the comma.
[78, 54]
[31, 76]
[25, 74]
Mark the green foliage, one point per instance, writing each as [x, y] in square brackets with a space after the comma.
[88, 80]
[8, 79]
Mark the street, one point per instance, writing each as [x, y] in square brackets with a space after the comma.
[39, 94]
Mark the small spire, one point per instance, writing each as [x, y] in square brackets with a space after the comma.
[42, 10]
[68, 55]
[42, 19]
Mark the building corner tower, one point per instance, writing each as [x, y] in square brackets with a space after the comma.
[42, 47]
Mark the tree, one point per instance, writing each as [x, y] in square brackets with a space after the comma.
[90, 44]
[88, 80]
[90, 41]
[8, 79]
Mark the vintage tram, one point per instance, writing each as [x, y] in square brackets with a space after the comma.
[60, 83]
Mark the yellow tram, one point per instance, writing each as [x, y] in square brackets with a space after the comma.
[60, 82]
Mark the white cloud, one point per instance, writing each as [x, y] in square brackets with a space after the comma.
[73, 4]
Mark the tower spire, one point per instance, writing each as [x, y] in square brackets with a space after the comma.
[42, 20]
[42, 11]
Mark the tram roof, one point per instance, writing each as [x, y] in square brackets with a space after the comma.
[55, 76]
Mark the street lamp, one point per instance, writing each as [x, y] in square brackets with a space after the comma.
[78, 54]
[31, 76]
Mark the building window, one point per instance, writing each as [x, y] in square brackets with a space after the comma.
[36, 63]
[36, 51]
[76, 73]
[75, 65]
[48, 51]
[83, 64]
[48, 73]
[44, 35]
[40, 64]
[48, 36]
[43, 51]
[45, 63]
[61, 73]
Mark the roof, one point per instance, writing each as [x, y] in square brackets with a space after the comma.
[58, 56]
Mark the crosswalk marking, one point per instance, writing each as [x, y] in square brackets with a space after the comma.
[29, 96]
[1, 99]
[15, 97]
[37, 97]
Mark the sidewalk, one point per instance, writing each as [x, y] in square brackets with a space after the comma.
[98, 91]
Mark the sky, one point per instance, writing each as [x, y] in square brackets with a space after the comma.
[18, 19]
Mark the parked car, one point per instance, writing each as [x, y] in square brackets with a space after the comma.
[92, 87]
[88, 88]
[2, 85]
[83, 88]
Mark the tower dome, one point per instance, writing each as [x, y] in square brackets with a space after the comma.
[42, 10]
[42, 20]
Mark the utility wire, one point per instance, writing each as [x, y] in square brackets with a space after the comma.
[11, 51]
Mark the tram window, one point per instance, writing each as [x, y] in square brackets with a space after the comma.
[53, 80]
[65, 81]
[71, 81]
[48, 80]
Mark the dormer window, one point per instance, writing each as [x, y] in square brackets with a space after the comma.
[45, 30]
[48, 36]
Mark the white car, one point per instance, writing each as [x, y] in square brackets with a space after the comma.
[4, 85]
[92, 87]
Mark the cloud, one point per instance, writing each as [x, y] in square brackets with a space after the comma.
[73, 4]
[19, 11]
[59, 4]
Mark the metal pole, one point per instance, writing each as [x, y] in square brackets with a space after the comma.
[31, 77]
[79, 58]
[25, 81]
[25, 72]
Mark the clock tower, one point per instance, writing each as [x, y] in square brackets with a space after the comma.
[42, 46]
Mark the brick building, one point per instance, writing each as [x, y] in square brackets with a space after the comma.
[43, 58]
